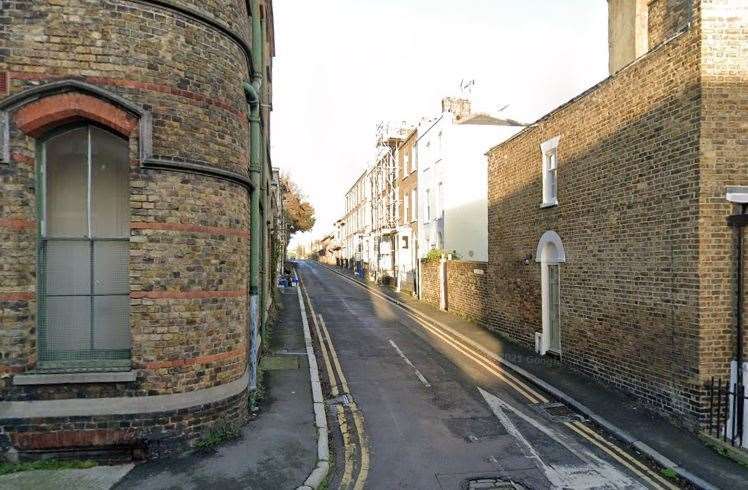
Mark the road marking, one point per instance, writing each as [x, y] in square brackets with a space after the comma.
[407, 361]
[322, 348]
[616, 457]
[328, 366]
[335, 359]
[531, 395]
[358, 419]
[363, 472]
[592, 473]
[459, 344]
[347, 477]
[623, 454]
[477, 353]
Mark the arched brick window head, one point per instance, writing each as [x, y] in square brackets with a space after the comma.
[38, 110]
[38, 117]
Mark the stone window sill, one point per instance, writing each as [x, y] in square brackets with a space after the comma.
[74, 378]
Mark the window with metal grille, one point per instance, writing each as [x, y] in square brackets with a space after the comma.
[84, 304]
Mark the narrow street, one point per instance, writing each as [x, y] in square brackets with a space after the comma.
[434, 413]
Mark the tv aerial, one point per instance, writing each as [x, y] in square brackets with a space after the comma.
[466, 87]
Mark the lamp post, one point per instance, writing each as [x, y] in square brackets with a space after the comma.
[739, 195]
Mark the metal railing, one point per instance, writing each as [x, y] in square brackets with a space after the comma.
[726, 411]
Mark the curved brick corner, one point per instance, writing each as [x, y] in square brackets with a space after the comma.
[38, 117]
[188, 250]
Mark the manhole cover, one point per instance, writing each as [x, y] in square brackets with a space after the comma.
[489, 484]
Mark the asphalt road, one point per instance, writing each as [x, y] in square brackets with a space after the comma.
[436, 417]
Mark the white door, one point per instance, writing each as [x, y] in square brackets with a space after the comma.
[553, 306]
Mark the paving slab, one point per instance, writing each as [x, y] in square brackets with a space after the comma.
[96, 478]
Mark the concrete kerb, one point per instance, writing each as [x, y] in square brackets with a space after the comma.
[319, 474]
[579, 406]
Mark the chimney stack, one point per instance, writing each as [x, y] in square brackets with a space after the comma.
[627, 32]
[459, 107]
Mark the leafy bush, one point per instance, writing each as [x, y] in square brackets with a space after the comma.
[434, 255]
[218, 436]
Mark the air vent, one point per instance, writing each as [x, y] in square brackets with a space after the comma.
[3, 82]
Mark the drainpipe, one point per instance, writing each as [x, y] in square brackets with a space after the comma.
[252, 95]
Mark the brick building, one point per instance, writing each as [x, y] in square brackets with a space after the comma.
[407, 230]
[130, 214]
[451, 152]
[607, 217]
[356, 224]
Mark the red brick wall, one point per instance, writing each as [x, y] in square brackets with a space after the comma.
[430, 282]
[467, 292]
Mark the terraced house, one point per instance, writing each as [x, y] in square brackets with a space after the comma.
[136, 219]
[608, 238]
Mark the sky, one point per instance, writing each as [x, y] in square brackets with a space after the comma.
[342, 66]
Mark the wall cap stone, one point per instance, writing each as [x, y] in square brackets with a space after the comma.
[125, 405]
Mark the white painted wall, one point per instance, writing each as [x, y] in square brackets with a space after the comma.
[466, 192]
[460, 213]
[430, 172]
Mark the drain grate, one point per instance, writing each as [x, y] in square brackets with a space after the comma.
[490, 484]
[560, 411]
[340, 400]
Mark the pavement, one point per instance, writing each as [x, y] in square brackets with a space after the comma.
[94, 478]
[277, 450]
[618, 413]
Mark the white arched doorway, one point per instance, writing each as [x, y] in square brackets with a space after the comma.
[550, 254]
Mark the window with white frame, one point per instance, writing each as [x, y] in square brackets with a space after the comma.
[428, 204]
[414, 205]
[406, 201]
[549, 152]
[440, 200]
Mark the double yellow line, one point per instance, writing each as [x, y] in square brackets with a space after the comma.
[522, 388]
[333, 368]
[532, 395]
[624, 458]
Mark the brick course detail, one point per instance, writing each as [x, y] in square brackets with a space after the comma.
[36, 118]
